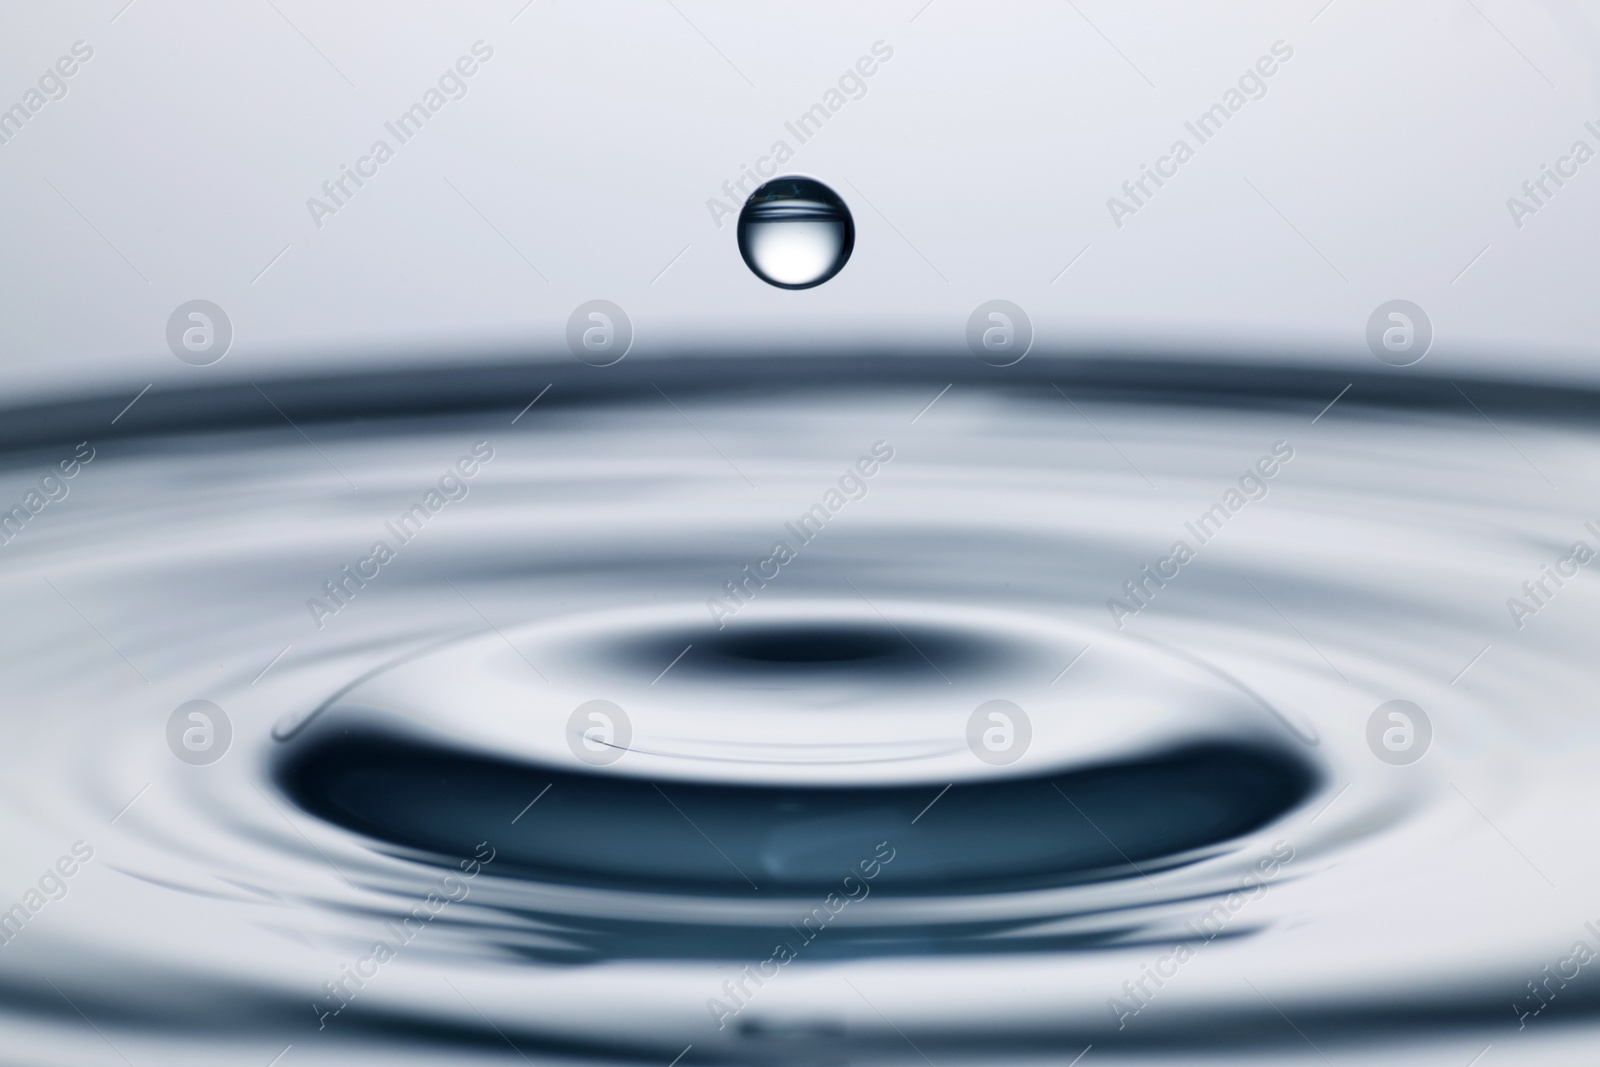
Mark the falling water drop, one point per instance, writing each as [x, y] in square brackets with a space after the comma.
[795, 233]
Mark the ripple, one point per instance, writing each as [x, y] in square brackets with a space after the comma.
[1192, 770]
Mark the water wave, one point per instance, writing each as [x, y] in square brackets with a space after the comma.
[772, 710]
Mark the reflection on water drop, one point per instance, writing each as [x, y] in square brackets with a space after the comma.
[795, 233]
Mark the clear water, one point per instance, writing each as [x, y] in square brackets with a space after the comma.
[583, 767]
[795, 233]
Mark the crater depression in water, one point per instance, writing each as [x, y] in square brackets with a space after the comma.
[934, 713]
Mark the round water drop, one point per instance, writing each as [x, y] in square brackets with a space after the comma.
[795, 233]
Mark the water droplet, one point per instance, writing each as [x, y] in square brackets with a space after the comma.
[795, 233]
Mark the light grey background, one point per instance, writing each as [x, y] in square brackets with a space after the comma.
[978, 165]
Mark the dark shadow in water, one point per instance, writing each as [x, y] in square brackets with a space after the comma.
[792, 652]
[507, 381]
[611, 831]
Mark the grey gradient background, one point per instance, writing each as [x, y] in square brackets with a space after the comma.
[978, 165]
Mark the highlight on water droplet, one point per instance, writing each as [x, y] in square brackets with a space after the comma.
[795, 233]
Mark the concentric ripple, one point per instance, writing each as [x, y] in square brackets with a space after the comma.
[966, 716]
